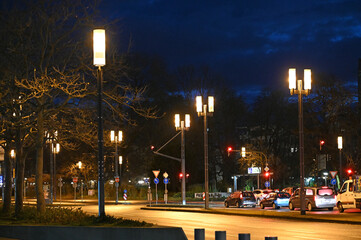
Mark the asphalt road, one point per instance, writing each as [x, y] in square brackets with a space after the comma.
[258, 227]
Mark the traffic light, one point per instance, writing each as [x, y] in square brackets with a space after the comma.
[187, 176]
[152, 147]
[322, 142]
[349, 172]
[266, 174]
[229, 150]
[180, 177]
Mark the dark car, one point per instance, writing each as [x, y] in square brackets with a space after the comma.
[240, 199]
[275, 200]
[315, 197]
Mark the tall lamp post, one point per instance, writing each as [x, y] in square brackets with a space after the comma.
[202, 111]
[116, 139]
[55, 151]
[339, 143]
[99, 61]
[300, 89]
[181, 125]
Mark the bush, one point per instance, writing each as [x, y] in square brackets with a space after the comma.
[67, 216]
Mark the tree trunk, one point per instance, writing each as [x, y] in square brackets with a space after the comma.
[8, 182]
[20, 168]
[39, 163]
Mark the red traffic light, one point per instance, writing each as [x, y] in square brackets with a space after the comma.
[187, 175]
[152, 147]
[181, 175]
[322, 142]
[229, 149]
[266, 174]
[349, 171]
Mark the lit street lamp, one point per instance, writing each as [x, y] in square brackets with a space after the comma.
[56, 150]
[339, 143]
[181, 125]
[300, 89]
[202, 111]
[99, 61]
[81, 180]
[117, 139]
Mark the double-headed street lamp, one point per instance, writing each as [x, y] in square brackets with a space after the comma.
[116, 139]
[202, 111]
[182, 125]
[99, 61]
[301, 88]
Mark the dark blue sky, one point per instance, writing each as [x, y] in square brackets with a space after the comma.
[253, 42]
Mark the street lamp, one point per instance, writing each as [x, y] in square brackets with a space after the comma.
[202, 111]
[55, 151]
[300, 90]
[81, 180]
[339, 143]
[117, 139]
[99, 61]
[181, 125]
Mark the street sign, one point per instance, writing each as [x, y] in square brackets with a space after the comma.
[254, 170]
[333, 181]
[333, 173]
[1, 179]
[266, 183]
[156, 180]
[75, 179]
[116, 179]
[166, 180]
[165, 175]
[146, 180]
[125, 190]
[266, 169]
[156, 172]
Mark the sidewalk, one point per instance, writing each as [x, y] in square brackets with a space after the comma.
[324, 216]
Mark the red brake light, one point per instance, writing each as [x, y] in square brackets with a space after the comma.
[241, 196]
[324, 187]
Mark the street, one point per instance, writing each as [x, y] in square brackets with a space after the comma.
[258, 227]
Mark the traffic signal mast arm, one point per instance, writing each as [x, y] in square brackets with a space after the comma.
[167, 156]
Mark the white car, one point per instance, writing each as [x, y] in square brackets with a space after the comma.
[259, 194]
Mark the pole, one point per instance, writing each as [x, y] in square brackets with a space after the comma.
[156, 194]
[206, 202]
[183, 165]
[54, 177]
[340, 174]
[51, 172]
[301, 142]
[81, 190]
[234, 183]
[258, 180]
[100, 146]
[74, 191]
[116, 168]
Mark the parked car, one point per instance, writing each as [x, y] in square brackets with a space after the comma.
[289, 190]
[240, 199]
[315, 197]
[259, 194]
[275, 200]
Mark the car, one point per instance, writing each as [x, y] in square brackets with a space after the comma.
[315, 198]
[259, 194]
[289, 190]
[275, 200]
[240, 199]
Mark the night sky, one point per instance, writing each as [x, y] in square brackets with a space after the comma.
[252, 43]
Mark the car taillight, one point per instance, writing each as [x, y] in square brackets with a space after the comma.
[241, 196]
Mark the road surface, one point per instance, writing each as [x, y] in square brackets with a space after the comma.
[258, 227]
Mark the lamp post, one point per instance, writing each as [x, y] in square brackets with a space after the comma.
[56, 150]
[181, 125]
[81, 180]
[117, 139]
[339, 143]
[301, 90]
[120, 168]
[202, 111]
[99, 61]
